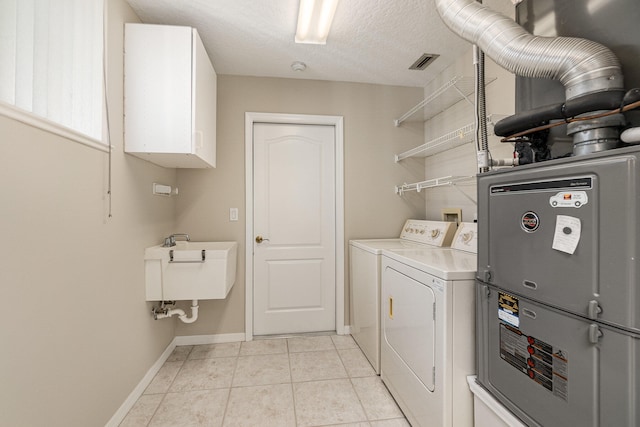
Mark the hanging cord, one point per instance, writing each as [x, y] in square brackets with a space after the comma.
[476, 82]
[106, 106]
[482, 112]
[482, 146]
[482, 142]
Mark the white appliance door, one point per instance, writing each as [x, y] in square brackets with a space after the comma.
[409, 323]
[294, 222]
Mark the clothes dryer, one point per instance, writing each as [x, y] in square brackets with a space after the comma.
[427, 325]
[365, 260]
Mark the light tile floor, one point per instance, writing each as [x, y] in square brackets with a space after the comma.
[301, 381]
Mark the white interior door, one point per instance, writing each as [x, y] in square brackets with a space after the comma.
[294, 262]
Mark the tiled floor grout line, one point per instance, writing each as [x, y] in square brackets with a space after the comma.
[359, 400]
[293, 394]
[351, 382]
[233, 377]
[164, 395]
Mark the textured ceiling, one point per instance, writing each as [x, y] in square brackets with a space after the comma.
[371, 41]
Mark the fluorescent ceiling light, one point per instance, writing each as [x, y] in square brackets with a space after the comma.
[314, 20]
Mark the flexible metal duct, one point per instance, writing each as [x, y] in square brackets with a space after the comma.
[582, 66]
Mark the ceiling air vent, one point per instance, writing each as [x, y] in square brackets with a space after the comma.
[422, 62]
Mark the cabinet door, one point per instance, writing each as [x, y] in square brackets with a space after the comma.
[170, 97]
[204, 103]
[158, 89]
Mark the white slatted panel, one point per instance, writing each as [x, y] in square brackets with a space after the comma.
[51, 60]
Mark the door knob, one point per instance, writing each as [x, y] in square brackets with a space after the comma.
[260, 239]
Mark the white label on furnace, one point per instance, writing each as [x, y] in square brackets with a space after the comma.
[567, 234]
[569, 199]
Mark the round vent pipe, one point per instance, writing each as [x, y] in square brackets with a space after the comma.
[582, 66]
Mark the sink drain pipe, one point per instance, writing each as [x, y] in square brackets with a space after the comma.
[164, 313]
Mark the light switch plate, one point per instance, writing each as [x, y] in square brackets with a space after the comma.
[233, 214]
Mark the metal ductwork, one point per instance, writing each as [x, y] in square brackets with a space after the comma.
[584, 67]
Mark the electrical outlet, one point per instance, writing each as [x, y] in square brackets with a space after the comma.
[233, 214]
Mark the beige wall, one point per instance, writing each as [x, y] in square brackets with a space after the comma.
[77, 336]
[370, 142]
[461, 161]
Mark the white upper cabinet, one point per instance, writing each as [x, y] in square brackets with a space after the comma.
[170, 97]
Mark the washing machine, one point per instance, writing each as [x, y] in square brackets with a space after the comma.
[428, 332]
[365, 261]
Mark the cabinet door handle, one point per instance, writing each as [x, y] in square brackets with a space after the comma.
[199, 140]
[390, 307]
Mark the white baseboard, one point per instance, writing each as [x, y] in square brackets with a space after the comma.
[208, 339]
[141, 387]
[133, 397]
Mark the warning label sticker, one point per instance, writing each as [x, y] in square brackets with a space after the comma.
[508, 310]
[540, 361]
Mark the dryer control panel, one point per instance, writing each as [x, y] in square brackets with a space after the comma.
[435, 233]
[466, 238]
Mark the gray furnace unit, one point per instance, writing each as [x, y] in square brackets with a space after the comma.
[558, 289]
[558, 294]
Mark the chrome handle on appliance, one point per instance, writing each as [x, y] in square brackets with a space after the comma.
[260, 239]
[171, 260]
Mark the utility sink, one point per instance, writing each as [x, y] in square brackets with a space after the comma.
[190, 270]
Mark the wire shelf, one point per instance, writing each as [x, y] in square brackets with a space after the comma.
[431, 183]
[447, 141]
[456, 138]
[455, 90]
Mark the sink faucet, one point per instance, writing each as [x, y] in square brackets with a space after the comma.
[171, 240]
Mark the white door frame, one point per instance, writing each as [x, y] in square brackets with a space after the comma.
[337, 122]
